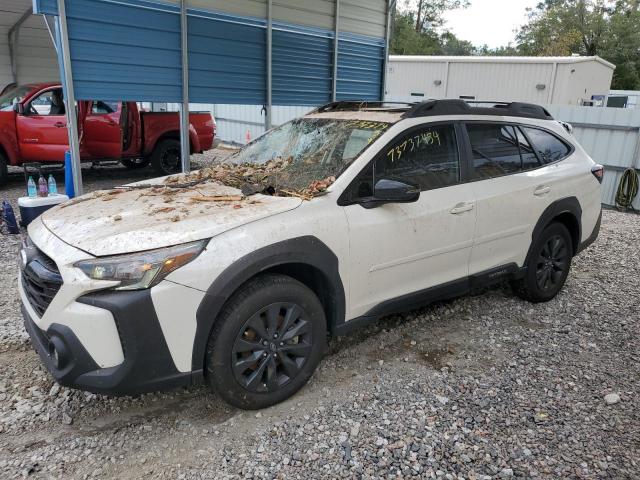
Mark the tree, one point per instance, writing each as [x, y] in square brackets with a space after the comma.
[429, 13]
[610, 29]
[416, 28]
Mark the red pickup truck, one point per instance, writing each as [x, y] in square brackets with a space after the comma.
[33, 129]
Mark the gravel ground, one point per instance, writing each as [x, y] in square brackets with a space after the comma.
[486, 386]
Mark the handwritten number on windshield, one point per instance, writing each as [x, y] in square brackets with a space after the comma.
[418, 142]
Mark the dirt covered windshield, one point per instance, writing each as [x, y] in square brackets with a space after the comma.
[307, 150]
[301, 158]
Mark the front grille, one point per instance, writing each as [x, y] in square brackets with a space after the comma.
[41, 279]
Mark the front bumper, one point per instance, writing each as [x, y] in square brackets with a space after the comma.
[147, 364]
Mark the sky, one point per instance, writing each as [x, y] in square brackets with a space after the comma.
[490, 22]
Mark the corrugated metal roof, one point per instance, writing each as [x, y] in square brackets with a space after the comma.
[130, 50]
[497, 59]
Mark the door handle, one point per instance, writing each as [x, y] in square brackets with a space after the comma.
[541, 190]
[461, 208]
[59, 124]
[111, 122]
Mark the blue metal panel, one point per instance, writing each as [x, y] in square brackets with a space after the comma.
[130, 50]
[123, 51]
[226, 59]
[302, 65]
[360, 64]
[48, 7]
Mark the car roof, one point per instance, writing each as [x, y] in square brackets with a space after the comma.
[393, 112]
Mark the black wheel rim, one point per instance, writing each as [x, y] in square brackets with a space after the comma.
[272, 347]
[552, 263]
[170, 160]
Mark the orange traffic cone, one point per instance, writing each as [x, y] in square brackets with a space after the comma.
[247, 137]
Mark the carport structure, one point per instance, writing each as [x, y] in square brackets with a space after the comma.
[262, 52]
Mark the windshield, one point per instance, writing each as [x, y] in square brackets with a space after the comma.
[311, 149]
[13, 96]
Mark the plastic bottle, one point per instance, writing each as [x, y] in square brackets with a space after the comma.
[32, 190]
[43, 190]
[53, 187]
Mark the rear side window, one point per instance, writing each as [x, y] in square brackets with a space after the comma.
[495, 150]
[529, 158]
[101, 108]
[549, 147]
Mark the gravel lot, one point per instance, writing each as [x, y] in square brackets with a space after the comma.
[481, 387]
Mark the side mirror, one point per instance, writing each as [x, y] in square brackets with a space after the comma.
[392, 191]
[19, 108]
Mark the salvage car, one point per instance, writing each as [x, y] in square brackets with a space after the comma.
[236, 274]
[33, 129]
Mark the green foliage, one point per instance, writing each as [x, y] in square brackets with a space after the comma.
[608, 28]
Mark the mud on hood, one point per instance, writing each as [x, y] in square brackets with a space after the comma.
[119, 221]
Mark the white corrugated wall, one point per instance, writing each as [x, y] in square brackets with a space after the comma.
[611, 136]
[522, 79]
[234, 122]
[37, 60]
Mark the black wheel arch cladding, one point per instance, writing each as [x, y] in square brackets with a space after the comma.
[563, 209]
[306, 251]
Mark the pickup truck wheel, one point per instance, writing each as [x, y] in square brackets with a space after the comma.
[266, 343]
[548, 265]
[4, 171]
[166, 157]
[135, 163]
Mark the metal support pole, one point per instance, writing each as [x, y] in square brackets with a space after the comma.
[552, 87]
[391, 4]
[267, 116]
[64, 60]
[446, 80]
[53, 40]
[336, 39]
[185, 150]
[13, 55]
[14, 42]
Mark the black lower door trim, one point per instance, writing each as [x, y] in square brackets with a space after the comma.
[412, 301]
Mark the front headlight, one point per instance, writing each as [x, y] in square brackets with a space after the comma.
[141, 270]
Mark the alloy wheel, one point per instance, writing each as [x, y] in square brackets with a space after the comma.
[271, 348]
[170, 160]
[552, 263]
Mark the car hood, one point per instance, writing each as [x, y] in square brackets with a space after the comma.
[110, 222]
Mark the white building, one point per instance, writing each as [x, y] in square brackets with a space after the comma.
[543, 80]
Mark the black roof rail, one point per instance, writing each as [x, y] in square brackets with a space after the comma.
[355, 105]
[464, 107]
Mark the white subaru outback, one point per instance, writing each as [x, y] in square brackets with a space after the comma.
[150, 287]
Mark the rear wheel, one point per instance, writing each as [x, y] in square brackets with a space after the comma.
[4, 170]
[548, 265]
[166, 157]
[135, 163]
[267, 342]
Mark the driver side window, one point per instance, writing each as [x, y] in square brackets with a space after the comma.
[426, 156]
[47, 103]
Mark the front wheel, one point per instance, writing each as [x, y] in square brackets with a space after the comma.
[266, 343]
[548, 265]
[165, 157]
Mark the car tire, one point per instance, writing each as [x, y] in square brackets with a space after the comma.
[135, 163]
[165, 157]
[4, 170]
[270, 319]
[548, 265]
